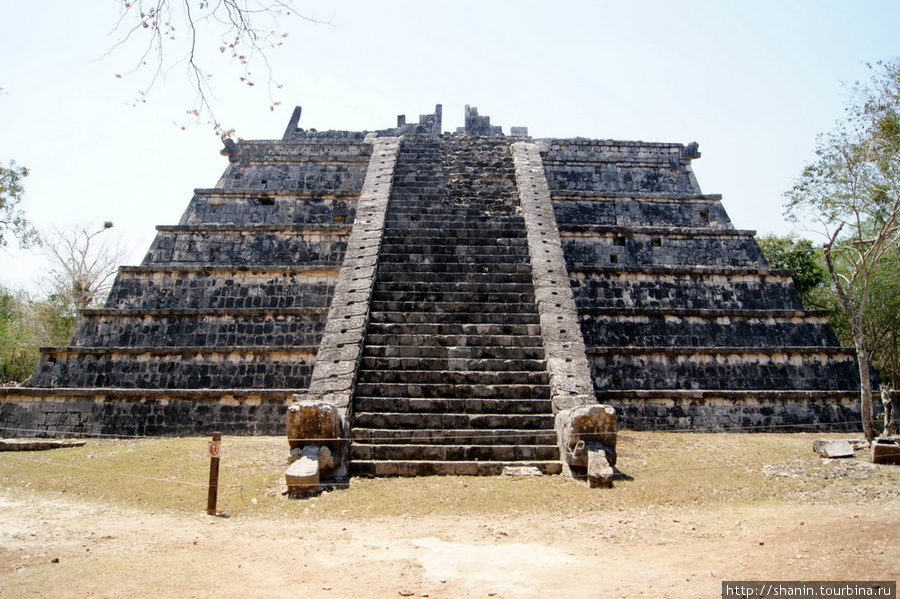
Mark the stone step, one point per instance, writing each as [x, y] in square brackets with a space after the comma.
[444, 286]
[441, 436]
[419, 192]
[466, 283]
[505, 325]
[416, 270]
[451, 364]
[453, 453]
[457, 227]
[413, 248]
[523, 319]
[419, 212]
[484, 277]
[452, 244]
[442, 198]
[386, 304]
[405, 420]
[424, 257]
[505, 341]
[488, 237]
[454, 203]
[460, 405]
[425, 169]
[453, 225]
[476, 352]
[455, 377]
[427, 468]
[447, 390]
[500, 298]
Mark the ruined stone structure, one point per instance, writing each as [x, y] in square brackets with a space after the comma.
[453, 302]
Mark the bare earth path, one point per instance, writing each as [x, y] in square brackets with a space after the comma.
[663, 553]
[61, 547]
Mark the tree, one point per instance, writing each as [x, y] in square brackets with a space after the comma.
[85, 261]
[881, 324]
[12, 219]
[882, 320]
[178, 32]
[852, 190]
[796, 254]
[26, 325]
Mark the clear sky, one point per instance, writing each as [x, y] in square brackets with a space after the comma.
[752, 82]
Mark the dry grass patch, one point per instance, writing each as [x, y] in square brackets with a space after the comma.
[170, 475]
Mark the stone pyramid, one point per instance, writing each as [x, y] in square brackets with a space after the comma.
[451, 295]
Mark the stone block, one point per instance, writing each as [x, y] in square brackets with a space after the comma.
[327, 464]
[588, 424]
[302, 476]
[309, 420]
[833, 448]
[36, 445]
[886, 450]
[599, 471]
[521, 471]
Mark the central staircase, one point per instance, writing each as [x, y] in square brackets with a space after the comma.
[453, 378]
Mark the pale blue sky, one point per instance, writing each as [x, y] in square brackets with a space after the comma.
[752, 82]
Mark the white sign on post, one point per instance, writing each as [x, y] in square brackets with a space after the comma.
[215, 448]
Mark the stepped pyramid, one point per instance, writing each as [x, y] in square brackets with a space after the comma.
[451, 295]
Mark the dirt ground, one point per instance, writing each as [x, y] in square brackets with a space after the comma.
[75, 549]
[120, 519]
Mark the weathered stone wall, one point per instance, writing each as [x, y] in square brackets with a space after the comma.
[658, 247]
[776, 412]
[686, 328]
[632, 209]
[730, 369]
[696, 288]
[246, 245]
[673, 300]
[268, 207]
[319, 163]
[141, 412]
[214, 328]
[618, 166]
[175, 368]
[235, 296]
[149, 288]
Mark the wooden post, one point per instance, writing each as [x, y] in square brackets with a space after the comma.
[214, 450]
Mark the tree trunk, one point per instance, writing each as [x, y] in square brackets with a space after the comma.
[856, 328]
[865, 382]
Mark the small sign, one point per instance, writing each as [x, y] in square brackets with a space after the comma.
[215, 449]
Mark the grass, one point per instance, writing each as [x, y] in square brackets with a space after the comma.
[658, 469]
